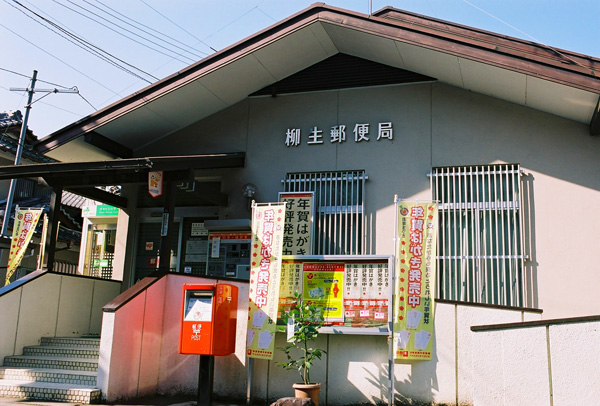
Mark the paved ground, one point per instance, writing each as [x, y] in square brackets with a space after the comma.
[154, 401]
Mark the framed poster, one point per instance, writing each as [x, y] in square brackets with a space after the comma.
[354, 292]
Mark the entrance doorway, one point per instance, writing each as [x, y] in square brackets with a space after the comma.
[100, 250]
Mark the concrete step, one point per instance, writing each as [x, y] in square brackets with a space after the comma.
[62, 351]
[60, 369]
[24, 361]
[49, 375]
[50, 391]
[71, 341]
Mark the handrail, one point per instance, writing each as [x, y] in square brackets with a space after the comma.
[40, 272]
[130, 294]
[144, 284]
[536, 323]
[490, 306]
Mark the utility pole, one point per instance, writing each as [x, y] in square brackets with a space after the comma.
[21, 143]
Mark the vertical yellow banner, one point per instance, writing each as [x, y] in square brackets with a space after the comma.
[23, 228]
[265, 274]
[415, 280]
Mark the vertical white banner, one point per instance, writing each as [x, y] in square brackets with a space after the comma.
[265, 275]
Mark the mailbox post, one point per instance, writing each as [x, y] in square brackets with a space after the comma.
[208, 326]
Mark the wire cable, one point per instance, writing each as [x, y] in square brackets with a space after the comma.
[177, 25]
[60, 60]
[131, 39]
[533, 38]
[87, 46]
[146, 32]
[124, 29]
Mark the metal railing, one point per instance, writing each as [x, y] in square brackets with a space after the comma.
[339, 215]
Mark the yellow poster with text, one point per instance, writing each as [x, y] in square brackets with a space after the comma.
[265, 274]
[415, 280]
[323, 284]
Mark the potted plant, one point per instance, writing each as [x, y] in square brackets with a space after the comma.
[306, 321]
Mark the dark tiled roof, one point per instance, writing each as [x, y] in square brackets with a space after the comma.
[64, 234]
[10, 126]
[10, 118]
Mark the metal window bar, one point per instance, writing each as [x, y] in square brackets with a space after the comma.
[480, 240]
[339, 215]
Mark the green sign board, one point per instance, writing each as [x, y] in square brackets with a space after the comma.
[101, 210]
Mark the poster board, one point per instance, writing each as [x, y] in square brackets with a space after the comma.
[354, 292]
[299, 222]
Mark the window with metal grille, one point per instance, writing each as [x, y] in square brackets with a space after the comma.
[480, 243]
[339, 225]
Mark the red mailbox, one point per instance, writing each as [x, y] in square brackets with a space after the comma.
[208, 320]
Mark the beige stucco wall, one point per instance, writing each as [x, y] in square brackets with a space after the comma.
[434, 125]
[51, 305]
[557, 363]
[139, 356]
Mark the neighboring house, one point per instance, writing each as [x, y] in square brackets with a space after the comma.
[501, 132]
[31, 193]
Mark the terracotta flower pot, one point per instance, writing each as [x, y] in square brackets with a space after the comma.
[307, 390]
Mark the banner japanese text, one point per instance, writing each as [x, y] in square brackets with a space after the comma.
[267, 237]
[23, 228]
[415, 280]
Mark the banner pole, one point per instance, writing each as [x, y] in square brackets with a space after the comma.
[250, 379]
[393, 308]
[42, 243]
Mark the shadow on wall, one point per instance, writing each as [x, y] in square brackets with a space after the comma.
[531, 265]
[410, 391]
[420, 382]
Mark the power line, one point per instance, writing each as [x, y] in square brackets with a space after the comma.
[15, 73]
[533, 38]
[38, 80]
[57, 58]
[146, 32]
[123, 35]
[84, 44]
[177, 25]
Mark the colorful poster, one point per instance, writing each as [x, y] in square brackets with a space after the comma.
[267, 237]
[297, 237]
[323, 284]
[23, 228]
[290, 285]
[351, 294]
[415, 280]
[155, 183]
[366, 295]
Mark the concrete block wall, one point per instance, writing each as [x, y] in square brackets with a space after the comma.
[139, 356]
[46, 304]
[550, 362]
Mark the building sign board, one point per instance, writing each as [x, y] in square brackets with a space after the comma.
[100, 210]
[360, 133]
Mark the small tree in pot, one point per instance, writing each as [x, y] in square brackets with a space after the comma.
[307, 321]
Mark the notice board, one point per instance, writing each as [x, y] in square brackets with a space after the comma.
[354, 293]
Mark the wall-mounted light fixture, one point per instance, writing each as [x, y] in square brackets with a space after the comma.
[249, 192]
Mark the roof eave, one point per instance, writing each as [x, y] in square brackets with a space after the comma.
[495, 53]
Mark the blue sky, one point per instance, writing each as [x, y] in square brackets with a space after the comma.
[198, 27]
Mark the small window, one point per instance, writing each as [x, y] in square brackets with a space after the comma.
[339, 209]
[480, 246]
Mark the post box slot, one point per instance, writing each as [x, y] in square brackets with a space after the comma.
[198, 306]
